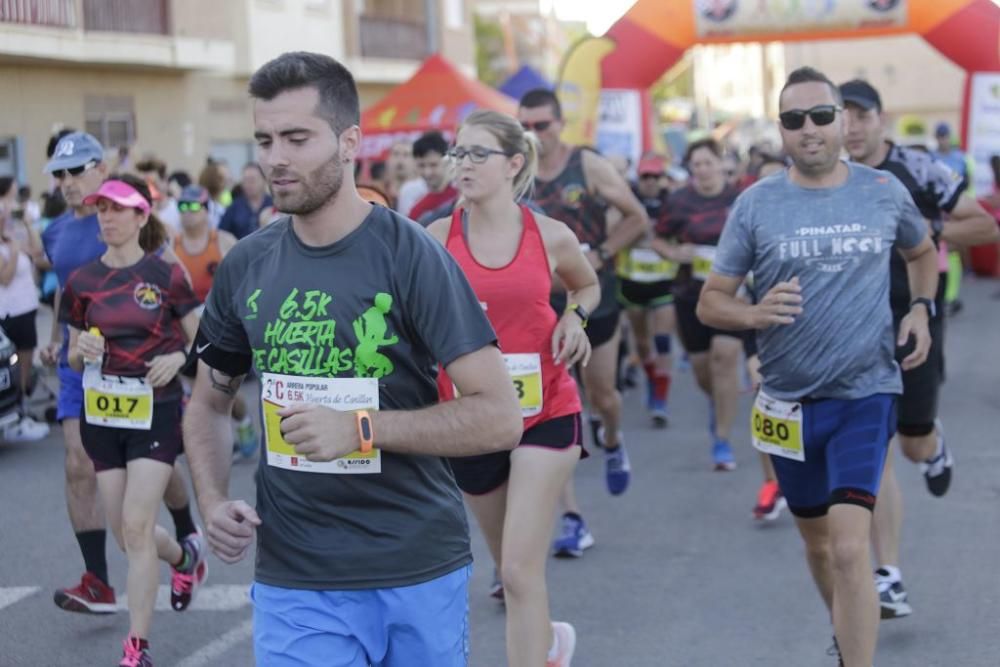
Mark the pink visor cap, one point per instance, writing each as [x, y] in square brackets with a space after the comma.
[120, 193]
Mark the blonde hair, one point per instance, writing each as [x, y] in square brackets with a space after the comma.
[513, 140]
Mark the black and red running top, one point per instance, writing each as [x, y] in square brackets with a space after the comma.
[138, 310]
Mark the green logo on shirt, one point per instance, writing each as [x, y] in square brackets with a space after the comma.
[302, 339]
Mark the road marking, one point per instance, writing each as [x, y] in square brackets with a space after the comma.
[9, 596]
[222, 597]
[211, 652]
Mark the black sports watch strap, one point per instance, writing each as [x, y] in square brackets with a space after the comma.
[926, 303]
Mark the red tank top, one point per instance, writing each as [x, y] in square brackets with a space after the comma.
[202, 266]
[516, 301]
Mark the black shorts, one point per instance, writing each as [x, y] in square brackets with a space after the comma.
[21, 330]
[111, 448]
[632, 294]
[602, 329]
[478, 475]
[921, 385]
[696, 336]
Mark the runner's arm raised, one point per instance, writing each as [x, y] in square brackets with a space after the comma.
[968, 224]
[485, 418]
[608, 183]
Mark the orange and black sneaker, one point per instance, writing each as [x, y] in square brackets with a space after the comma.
[90, 596]
[770, 502]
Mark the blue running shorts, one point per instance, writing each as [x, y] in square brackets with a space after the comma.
[410, 626]
[845, 444]
[70, 402]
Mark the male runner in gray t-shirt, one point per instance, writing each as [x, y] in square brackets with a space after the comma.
[817, 239]
[345, 310]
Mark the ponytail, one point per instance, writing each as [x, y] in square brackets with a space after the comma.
[153, 234]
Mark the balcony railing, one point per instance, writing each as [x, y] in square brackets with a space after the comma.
[392, 38]
[148, 16]
[52, 13]
[135, 16]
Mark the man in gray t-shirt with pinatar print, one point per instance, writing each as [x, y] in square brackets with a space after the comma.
[817, 238]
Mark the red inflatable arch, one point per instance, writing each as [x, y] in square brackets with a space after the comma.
[654, 34]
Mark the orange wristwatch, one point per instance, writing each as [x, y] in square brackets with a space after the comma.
[366, 432]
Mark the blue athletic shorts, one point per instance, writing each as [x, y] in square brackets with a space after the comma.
[70, 403]
[410, 626]
[845, 444]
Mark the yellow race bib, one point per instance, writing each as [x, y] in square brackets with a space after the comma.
[645, 265]
[117, 402]
[776, 427]
[701, 265]
[526, 372]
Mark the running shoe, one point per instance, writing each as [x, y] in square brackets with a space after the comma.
[937, 469]
[892, 597]
[90, 596]
[184, 583]
[658, 413]
[722, 455]
[565, 642]
[26, 429]
[770, 502]
[573, 537]
[133, 655]
[246, 439]
[617, 469]
[496, 587]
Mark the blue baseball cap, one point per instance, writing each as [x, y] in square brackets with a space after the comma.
[942, 130]
[75, 150]
[192, 193]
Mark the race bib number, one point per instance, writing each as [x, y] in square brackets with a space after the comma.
[117, 402]
[345, 394]
[526, 372]
[645, 265]
[776, 427]
[701, 265]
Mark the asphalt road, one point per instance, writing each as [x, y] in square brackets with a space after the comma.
[681, 576]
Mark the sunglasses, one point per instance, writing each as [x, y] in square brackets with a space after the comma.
[478, 154]
[73, 171]
[539, 126]
[189, 206]
[821, 114]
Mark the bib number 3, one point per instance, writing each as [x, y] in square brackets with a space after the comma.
[776, 427]
[526, 372]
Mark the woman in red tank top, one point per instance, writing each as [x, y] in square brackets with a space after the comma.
[509, 256]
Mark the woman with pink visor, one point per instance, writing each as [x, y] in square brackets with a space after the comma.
[130, 316]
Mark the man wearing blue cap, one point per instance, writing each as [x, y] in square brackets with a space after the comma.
[71, 241]
[948, 152]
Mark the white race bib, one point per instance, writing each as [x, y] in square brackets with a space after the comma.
[345, 394]
[117, 402]
[776, 427]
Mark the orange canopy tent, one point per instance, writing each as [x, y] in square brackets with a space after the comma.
[437, 97]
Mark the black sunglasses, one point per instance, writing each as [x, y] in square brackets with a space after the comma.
[478, 154]
[73, 171]
[821, 114]
[539, 126]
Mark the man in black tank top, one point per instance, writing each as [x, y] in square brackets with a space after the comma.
[577, 186]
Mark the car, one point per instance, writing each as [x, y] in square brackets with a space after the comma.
[9, 390]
